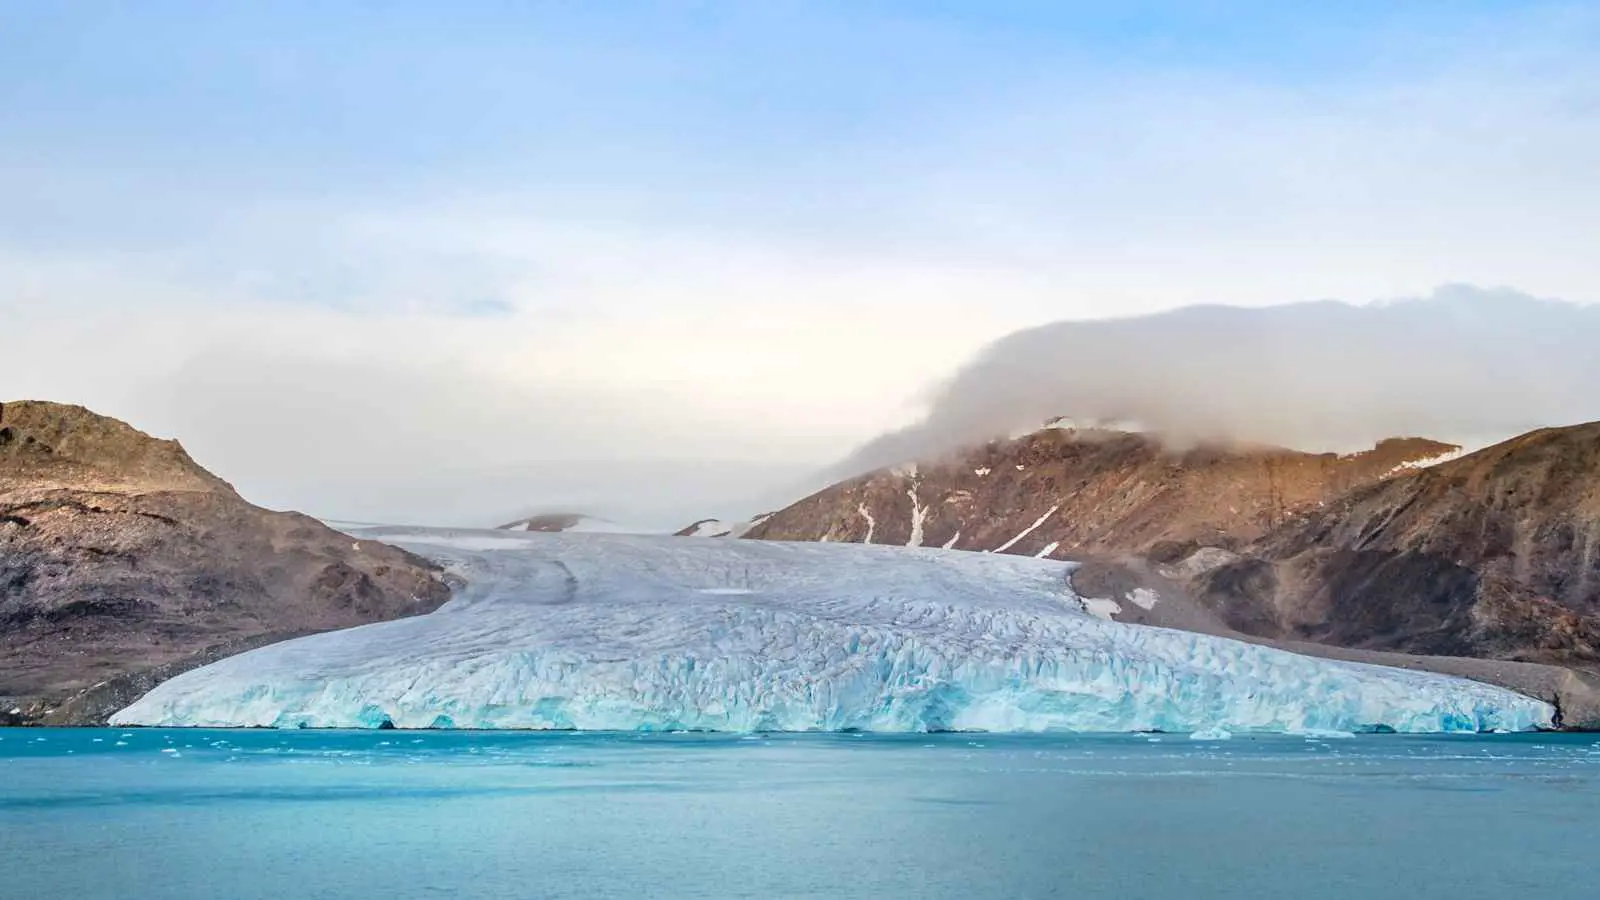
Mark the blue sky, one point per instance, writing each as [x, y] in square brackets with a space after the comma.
[716, 112]
[307, 93]
[758, 231]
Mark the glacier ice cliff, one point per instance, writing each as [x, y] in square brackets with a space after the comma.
[560, 631]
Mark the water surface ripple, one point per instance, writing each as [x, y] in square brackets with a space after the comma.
[394, 814]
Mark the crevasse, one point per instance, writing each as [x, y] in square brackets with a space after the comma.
[614, 632]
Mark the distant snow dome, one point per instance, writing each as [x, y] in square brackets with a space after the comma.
[614, 632]
[1070, 423]
[573, 522]
[722, 527]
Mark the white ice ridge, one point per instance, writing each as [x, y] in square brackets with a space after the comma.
[652, 633]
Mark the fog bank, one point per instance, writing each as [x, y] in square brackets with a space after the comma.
[1465, 364]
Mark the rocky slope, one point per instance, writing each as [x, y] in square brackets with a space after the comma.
[1067, 491]
[1494, 555]
[123, 562]
[1485, 565]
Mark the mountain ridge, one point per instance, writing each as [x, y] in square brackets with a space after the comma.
[1498, 552]
[122, 562]
[1412, 553]
[1060, 490]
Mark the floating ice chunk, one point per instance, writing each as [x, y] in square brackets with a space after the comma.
[1211, 734]
[631, 632]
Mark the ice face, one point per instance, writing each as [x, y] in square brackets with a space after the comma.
[660, 633]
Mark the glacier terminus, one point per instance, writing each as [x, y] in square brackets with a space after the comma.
[622, 632]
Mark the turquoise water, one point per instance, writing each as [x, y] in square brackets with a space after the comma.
[264, 814]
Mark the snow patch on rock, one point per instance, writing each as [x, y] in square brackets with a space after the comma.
[1029, 530]
[1144, 598]
[1199, 562]
[1101, 608]
[872, 524]
[1429, 462]
[919, 514]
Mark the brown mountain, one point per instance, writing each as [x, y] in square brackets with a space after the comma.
[123, 562]
[1494, 555]
[1409, 554]
[1067, 492]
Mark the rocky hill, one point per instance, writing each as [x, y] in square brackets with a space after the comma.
[123, 562]
[1066, 491]
[1494, 555]
[1485, 565]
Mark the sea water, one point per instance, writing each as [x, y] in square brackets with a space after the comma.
[145, 813]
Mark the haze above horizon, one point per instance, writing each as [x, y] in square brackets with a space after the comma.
[456, 264]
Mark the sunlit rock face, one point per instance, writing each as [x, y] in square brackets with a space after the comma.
[559, 631]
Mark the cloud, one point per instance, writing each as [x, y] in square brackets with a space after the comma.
[430, 441]
[654, 251]
[645, 379]
[1464, 364]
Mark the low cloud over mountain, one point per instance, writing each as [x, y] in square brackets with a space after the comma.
[1465, 364]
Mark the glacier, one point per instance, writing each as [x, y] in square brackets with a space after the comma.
[615, 632]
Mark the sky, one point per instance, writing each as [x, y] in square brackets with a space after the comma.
[459, 262]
